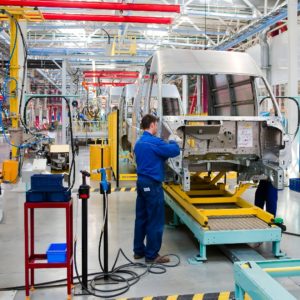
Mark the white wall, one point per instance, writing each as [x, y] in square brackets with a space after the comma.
[278, 57]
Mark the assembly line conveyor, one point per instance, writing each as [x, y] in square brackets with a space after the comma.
[217, 217]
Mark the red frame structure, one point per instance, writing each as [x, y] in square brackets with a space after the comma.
[37, 261]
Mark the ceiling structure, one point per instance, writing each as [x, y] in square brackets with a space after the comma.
[90, 46]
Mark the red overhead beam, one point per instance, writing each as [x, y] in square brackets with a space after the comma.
[95, 84]
[107, 18]
[94, 5]
[117, 76]
[111, 74]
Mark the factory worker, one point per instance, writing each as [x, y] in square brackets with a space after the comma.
[151, 153]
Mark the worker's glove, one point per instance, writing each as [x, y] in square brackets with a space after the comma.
[174, 138]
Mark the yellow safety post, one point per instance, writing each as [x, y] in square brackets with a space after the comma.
[14, 74]
[100, 158]
[113, 141]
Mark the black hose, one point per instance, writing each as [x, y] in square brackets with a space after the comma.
[72, 167]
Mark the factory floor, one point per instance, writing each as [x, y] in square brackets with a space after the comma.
[215, 275]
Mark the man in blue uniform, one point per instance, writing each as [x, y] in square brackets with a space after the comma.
[151, 153]
[267, 194]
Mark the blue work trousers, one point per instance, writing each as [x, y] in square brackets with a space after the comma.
[267, 194]
[150, 218]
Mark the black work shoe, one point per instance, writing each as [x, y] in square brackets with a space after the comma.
[158, 260]
[138, 256]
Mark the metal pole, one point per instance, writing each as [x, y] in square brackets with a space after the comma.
[64, 117]
[23, 26]
[198, 110]
[105, 237]
[292, 80]
[185, 93]
[84, 234]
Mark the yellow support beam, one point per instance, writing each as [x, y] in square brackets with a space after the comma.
[207, 193]
[23, 13]
[217, 178]
[229, 212]
[212, 200]
[283, 269]
[172, 190]
[125, 177]
[243, 208]
[261, 214]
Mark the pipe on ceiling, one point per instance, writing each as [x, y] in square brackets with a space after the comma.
[94, 5]
[95, 84]
[187, 31]
[107, 18]
[111, 74]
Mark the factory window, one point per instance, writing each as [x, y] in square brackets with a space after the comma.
[231, 95]
[170, 107]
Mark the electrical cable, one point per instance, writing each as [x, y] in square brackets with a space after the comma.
[117, 273]
[291, 233]
[73, 150]
[25, 49]
[109, 37]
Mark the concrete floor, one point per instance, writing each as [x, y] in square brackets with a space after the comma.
[213, 276]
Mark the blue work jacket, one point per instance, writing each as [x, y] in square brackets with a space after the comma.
[151, 153]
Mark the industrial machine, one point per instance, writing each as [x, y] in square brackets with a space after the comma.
[59, 158]
[231, 131]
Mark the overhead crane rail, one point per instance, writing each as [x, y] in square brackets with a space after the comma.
[171, 8]
[164, 8]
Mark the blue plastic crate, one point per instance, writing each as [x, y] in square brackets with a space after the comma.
[295, 184]
[57, 253]
[63, 196]
[47, 182]
[34, 196]
[39, 196]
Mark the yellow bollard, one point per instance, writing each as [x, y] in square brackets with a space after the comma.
[99, 158]
[10, 171]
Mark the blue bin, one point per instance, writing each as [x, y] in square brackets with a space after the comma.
[295, 184]
[63, 196]
[47, 182]
[34, 196]
[57, 253]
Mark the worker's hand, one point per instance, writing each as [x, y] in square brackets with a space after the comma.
[174, 138]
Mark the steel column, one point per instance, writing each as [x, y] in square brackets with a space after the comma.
[14, 75]
[293, 81]
[64, 117]
[185, 103]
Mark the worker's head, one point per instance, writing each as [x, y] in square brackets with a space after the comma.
[149, 123]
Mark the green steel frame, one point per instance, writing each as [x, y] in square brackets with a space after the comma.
[256, 279]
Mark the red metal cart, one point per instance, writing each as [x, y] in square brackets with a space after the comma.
[38, 261]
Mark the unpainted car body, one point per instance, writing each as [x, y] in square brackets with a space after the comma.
[232, 131]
